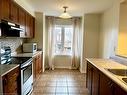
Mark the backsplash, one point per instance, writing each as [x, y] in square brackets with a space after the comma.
[14, 43]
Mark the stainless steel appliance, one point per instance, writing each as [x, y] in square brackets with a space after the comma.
[27, 77]
[30, 47]
[26, 67]
[9, 29]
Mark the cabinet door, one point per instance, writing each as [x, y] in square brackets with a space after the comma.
[106, 85]
[40, 63]
[34, 69]
[118, 90]
[37, 67]
[11, 82]
[13, 11]
[32, 26]
[22, 17]
[28, 25]
[89, 78]
[4, 9]
[95, 82]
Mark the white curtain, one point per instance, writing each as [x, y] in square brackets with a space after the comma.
[76, 45]
[50, 47]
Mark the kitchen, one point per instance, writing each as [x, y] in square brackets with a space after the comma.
[26, 57]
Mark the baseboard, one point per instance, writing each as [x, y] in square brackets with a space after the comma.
[62, 67]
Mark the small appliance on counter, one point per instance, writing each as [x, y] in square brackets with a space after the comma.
[26, 69]
[29, 47]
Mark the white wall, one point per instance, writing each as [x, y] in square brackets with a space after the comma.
[109, 31]
[90, 39]
[62, 61]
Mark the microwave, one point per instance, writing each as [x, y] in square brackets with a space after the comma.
[29, 47]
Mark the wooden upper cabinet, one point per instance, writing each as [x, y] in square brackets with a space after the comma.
[22, 18]
[4, 9]
[29, 26]
[32, 26]
[13, 11]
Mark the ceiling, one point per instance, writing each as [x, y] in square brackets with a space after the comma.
[76, 7]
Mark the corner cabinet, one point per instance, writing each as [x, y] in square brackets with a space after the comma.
[99, 84]
[11, 82]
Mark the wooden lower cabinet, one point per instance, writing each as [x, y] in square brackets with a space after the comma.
[11, 82]
[106, 86]
[95, 81]
[37, 66]
[89, 78]
[99, 84]
[118, 90]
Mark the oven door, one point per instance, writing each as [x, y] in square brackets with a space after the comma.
[27, 79]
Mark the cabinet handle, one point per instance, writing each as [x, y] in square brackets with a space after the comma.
[109, 83]
[5, 81]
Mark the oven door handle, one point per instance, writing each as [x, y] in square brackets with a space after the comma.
[25, 66]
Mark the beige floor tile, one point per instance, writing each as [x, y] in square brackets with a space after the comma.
[61, 82]
[61, 90]
[49, 90]
[50, 83]
[74, 90]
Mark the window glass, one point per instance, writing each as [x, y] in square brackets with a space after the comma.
[63, 40]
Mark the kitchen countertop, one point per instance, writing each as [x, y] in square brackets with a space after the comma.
[5, 68]
[26, 54]
[103, 64]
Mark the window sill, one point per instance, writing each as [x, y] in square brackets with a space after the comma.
[64, 54]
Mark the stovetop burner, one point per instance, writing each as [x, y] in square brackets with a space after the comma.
[19, 60]
[16, 60]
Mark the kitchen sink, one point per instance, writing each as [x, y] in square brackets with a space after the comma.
[124, 79]
[120, 72]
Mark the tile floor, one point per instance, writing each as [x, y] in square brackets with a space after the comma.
[61, 82]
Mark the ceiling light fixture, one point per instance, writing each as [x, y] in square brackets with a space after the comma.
[65, 15]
